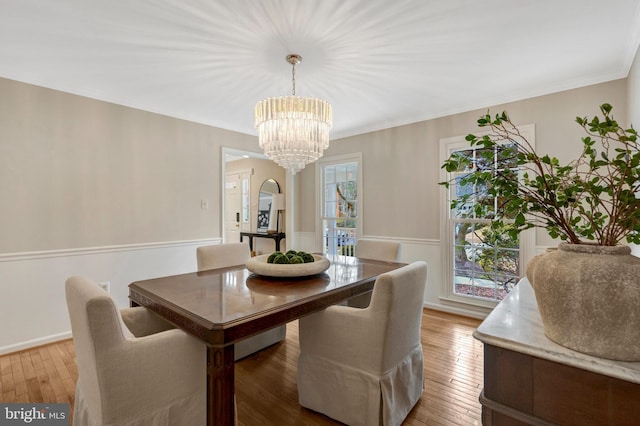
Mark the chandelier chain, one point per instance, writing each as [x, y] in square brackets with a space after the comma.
[293, 77]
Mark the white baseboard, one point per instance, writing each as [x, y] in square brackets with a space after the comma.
[453, 310]
[35, 342]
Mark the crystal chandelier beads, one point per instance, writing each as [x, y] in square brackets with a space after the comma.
[293, 131]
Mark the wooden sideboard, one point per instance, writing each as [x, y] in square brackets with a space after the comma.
[530, 380]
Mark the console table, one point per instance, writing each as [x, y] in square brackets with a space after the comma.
[530, 380]
[277, 237]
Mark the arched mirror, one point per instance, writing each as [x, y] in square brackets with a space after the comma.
[267, 215]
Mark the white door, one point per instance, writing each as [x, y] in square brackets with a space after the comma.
[233, 207]
[236, 202]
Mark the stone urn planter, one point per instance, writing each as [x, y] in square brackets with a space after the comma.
[589, 298]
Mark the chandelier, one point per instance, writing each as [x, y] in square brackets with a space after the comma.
[293, 131]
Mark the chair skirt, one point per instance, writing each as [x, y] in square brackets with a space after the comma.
[186, 411]
[356, 397]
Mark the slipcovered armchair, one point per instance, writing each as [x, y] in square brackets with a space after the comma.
[134, 369]
[365, 366]
[232, 254]
[388, 251]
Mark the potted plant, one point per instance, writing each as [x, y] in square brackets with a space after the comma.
[588, 290]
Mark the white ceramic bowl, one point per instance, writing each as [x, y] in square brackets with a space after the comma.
[258, 265]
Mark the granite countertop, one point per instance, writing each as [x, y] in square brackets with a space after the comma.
[515, 324]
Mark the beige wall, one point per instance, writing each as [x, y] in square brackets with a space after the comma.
[401, 166]
[76, 172]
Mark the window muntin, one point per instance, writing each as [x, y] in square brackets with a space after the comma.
[245, 200]
[340, 215]
[486, 263]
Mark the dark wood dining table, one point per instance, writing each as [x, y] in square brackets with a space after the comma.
[224, 306]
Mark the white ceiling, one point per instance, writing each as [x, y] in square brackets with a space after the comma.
[381, 63]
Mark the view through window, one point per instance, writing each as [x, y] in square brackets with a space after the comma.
[486, 261]
[340, 210]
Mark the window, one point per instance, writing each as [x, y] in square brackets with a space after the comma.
[340, 212]
[483, 265]
[245, 199]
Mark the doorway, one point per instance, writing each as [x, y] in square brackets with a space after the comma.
[243, 172]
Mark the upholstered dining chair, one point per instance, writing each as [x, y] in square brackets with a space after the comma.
[388, 251]
[378, 249]
[365, 366]
[134, 368]
[231, 254]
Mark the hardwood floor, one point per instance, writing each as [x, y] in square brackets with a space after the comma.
[266, 382]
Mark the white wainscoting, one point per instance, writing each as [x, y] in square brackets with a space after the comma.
[411, 250]
[33, 309]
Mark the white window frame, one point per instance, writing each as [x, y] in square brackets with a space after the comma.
[320, 165]
[526, 238]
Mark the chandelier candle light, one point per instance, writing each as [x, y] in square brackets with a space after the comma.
[293, 131]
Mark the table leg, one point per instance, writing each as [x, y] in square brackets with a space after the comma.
[220, 386]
